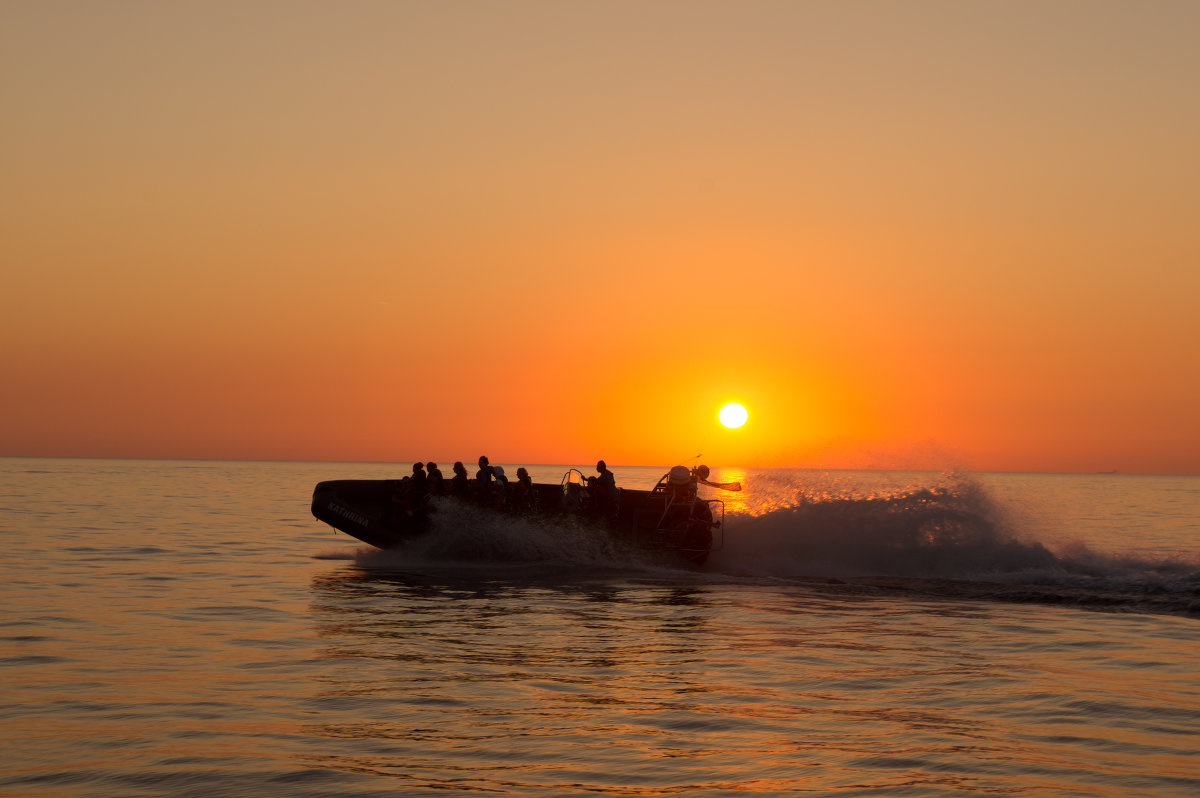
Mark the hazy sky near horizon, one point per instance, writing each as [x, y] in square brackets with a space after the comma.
[903, 234]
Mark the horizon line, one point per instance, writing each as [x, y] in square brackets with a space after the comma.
[1110, 472]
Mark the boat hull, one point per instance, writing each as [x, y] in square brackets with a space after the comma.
[367, 509]
[377, 512]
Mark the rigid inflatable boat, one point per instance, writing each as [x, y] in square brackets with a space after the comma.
[670, 518]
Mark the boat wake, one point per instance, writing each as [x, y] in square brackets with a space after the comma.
[946, 542]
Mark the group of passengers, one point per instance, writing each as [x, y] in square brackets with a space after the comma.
[491, 488]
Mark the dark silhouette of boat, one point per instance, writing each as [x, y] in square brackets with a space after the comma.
[670, 518]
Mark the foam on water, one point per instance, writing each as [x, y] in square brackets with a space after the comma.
[949, 540]
[953, 541]
[943, 532]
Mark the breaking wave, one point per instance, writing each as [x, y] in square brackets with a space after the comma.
[927, 532]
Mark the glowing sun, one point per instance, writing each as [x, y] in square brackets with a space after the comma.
[733, 415]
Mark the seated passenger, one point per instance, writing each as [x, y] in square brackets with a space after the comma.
[498, 475]
[398, 505]
[498, 496]
[460, 484]
[483, 477]
[435, 479]
[605, 493]
[419, 484]
[418, 491]
[523, 495]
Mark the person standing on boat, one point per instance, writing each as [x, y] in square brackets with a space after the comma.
[606, 491]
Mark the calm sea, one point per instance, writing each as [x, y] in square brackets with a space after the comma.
[188, 629]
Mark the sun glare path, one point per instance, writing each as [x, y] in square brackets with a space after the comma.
[733, 415]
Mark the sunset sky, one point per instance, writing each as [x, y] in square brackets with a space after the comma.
[902, 234]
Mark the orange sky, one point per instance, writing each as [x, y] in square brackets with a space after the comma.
[924, 234]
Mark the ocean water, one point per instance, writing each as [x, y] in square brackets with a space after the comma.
[188, 629]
